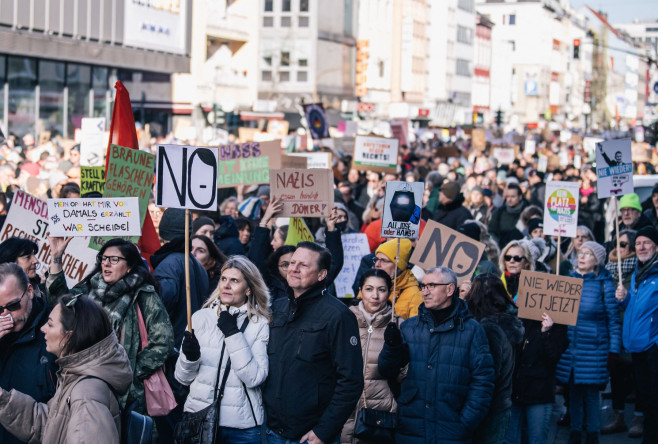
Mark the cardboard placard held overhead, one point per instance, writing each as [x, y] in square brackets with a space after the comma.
[28, 219]
[614, 168]
[315, 160]
[399, 130]
[505, 155]
[93, 141]
[290, 161]
[186, 177]
[305, 193]
[355, 246]
[402, 207]
[440, 245]
[298, 232]
[115, 216]
[248, 163]
[375, 154]
[447, 151]
[92, 179]
[479, 139]
[561, 208]
[557, 296]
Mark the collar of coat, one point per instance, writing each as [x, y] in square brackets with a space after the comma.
[456, 318]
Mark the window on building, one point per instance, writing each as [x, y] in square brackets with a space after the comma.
[266, 76]
[302, 76]
[303, 5]
[285, 58]
[268, 22]
[100, 85]
[267, 60]
[464, 35]
[303, 22]
[512, 19]
[302, 62]
[284, 76]
[285, 22]
[22, 81]
[381, 68]
[466, 5]
[52, 77]
[285, 5]
[78, 81]
[269, 6]
[463, 68]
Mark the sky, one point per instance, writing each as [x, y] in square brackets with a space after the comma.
[622, 11]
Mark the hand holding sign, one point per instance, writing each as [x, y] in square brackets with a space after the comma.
[274, 208]
[331, 219]
[621, 293]
[546, 323]
[57, 248]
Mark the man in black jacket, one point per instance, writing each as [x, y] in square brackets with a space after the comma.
[25, 365]
[451, 211]
[315, 376]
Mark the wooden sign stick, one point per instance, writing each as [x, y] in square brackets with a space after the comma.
[617, 236]
[559, 242]
[395, 279]
[187, 270]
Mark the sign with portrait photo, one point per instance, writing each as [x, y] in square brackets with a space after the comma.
[614, 168]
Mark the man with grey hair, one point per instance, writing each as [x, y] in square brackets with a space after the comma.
[450, 379]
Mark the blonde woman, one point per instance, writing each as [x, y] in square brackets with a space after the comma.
[515, 258]
[235, 328]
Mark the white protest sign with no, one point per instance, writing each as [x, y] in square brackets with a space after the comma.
[355, 246]
[614, 168]
[110, 216]
[561, 208]
[402, 206]
[186, 177]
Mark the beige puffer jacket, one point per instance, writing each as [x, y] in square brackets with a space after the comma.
[82, 411]
[377, 393]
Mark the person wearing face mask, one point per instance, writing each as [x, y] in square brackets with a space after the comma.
[94, 369]
[24, 253]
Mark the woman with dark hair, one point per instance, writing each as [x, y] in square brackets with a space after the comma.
[125, 288]
[94, 369]
[373, 314]
[206, 252]
[24, 253]
[491, 305]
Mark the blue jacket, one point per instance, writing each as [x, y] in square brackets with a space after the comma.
[597, 332]
[641, 316]
[450, 380]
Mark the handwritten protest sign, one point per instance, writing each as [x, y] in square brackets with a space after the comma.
[28, 219]
[317, 121]
[114, 216]
[614, 168]
[93, 141]
[505, 155]
[247, 163]
[306, 193]
[290, 161]
[186, 177]
[92, 179]
[315, 160]
[375, 154]
[298, 232]
[561, 208]
[402, 206]
[399, 130]
[557, 296]
[440, 245]
[479, 139]
[530, 147]
[355, 246]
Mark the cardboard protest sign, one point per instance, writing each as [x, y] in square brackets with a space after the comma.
[542, 163]
[114, 216]
[440, 245]
[355, 246]
[402, 206]
[305, 193]
[93, 141]
[530, 146]
[375, 154]
[290, 161]
[298, 232]
[479, 139]
[316, 160]
[561, 208]
[247, 163]
[614, 168]
[557, 296]
[589, 144]
[186, 177]
[505, 155]
[28, 219]
[92, 179]
[399, 130]
[317, 121]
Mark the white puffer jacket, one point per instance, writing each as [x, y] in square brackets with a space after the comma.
[248, 352]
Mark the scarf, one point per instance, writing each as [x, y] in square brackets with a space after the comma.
[514, 210]
[644, 268]
[511, 282]
[115, 298]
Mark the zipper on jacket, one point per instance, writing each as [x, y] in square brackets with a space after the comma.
[365, 355]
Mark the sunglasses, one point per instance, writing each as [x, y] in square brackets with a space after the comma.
[13, 306]
[509, 258]
[431, 285]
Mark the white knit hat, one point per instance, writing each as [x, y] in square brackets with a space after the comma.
[598, 250]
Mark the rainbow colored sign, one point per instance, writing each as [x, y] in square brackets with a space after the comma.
[561, 209]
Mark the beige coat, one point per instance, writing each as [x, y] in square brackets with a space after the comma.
[81, 411]
[376, 391]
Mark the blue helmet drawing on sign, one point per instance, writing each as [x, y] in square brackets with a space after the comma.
[403, 207]
[317, 121]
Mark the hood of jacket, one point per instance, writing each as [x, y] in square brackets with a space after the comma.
[405, 280]
[106, 360]
[227, 228]
[377, 320]
[176, 245]
[457, 317]
[511, 325]
[456, 203]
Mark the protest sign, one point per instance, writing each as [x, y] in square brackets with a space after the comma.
[402, 206]
[317, 121]
[478, 139]
[505, 155]
[589, 144]
[305, 193]
[530, 147]
[28, 219]
[186, 177]
[375, 154]
[278, 129]
[315, 160]
[247, 163]
[447, 151]
[113, 216]
[557, 296]
[92, 179]
[298, 232]
[614, 168]
[290, 161]
[355, 246]
[561, 208]
[440, 245]
[542, 163]
[399, 130]
[93, 141]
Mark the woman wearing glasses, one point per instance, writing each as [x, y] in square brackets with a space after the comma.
[583, 234]
[515, 258]
[94, 369]
[593, 342]
[121, 284]
[24, 253]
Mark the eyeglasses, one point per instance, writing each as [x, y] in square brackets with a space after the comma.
[113, 259]
[13, 306]
[379, 259]
[623, 244]
[509, 258]
[584, 254]
[431, 285]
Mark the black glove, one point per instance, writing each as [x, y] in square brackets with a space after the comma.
[191, 348]
[392, 335]
[228, 324]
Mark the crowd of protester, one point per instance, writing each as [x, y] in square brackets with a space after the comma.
[288, 359]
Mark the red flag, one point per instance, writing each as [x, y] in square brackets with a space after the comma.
[122, 132]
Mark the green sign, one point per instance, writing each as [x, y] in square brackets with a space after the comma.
[92, 179]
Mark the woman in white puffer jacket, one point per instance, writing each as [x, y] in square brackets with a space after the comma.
[241, 296]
